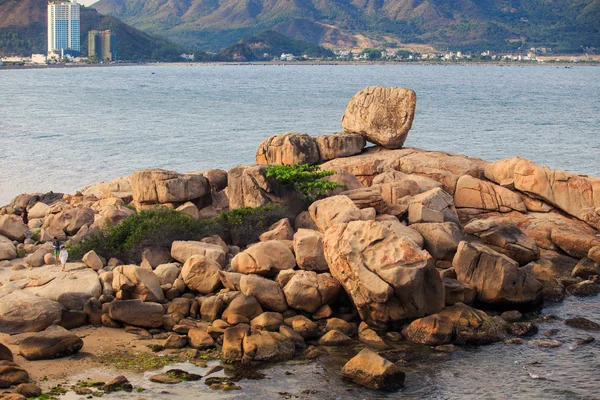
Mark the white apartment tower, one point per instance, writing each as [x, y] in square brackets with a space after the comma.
[63, 27]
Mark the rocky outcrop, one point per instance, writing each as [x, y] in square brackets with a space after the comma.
[481, 195]
[264, 258]
[505, 238]
[133, 282]
[307, 290]
[381, 115]
[287, 149]
[12, 227]
[54, 342]
[333, 210]
[280, 230]
[69, 221]
[8, 251]
[578, 195]
[137, 313]
[339, 145]
[182, 250]
[267, 292]
[201, 274]
[498, 279]
[387, 277]
[308, 248]
[52, 286]
[24, 312]
[158, 186]
[440, 239]
[369, 369]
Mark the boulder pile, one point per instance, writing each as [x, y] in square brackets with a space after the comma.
[413, 243]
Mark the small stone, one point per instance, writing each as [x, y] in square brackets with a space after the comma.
[373, 371]
[393, 336]
[587, 340]
[165, 379]
[522, 329]
[551, 332]
[117, 384]
[515, 340]
[511, 316]
[445, 348]
[582, 323]
[546, 343]
[29, 390]
[334, 338]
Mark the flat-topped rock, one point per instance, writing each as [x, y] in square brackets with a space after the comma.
[287, 149]
[158, 186]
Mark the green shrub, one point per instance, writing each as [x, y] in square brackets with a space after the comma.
[161, 226]
[304, 179]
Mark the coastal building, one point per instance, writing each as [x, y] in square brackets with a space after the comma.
[102, 45]
[38, 59]
[63, 27]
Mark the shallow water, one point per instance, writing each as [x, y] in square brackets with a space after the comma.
[62, 129]
[497, 371]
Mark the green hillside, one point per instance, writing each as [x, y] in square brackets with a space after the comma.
[564, 25]
[23, 32]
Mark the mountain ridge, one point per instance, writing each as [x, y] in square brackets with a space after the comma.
[460, 24]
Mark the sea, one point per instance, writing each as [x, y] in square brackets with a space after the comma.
[63, 129]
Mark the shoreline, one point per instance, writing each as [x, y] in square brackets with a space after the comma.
[561, 64]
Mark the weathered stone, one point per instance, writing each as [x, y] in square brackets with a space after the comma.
[418, 213]
[586, 268]
[264, 258]
[334, 338]
[497, 278]
[247, 306]
[158, 186]
[211, 307]
[8, 251]
[54, 342]
[92, 260]
[29, 390]
[233, 339]
[458, 292]
[12, 373]
[175, 341]
[267, 292]
[12, 227]
[440, 239]
[381, 115]
[472, 326]
[281, 230]
[438, 200]
[136, 283]
[505, 238]
[137, 313]
[373, 371]
[339, 144]
[582, 323]
[167, 273]
[5, 353]
[183, 250]
[400, 229]
[481, 195]
[201, 274]
[367, 197]
[308, 248]
[303, 326]
[387, 277]
[23, 312]
[268, 321]
[287, 149]
[347, 328]
[522, 329]
[433, 330]
[307, 290]
[333, 210]
[265, 346]
[577, 195]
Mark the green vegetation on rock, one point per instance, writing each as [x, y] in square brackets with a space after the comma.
[306, 180]
[161, 226]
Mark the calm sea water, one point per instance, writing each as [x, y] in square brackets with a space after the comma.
[62, 129]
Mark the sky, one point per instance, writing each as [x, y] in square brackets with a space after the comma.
[87, 2]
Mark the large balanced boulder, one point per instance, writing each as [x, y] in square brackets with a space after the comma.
[497, 278]
[12, 227]
[54, 342]
[137, 313]
[92, 260]
[288, 149]
[182, 250]
[333, 210]
[338, 145]
[201, 274]
[307, 290]
[387, 277]
[24, 312]
[157, 186]
[69, 221]
[308, 248]
[264, 258]
[505, 238]
[133, 282]
[578, 195]
[381, 115]
[369, 369]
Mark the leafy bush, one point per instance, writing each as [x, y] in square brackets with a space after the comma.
[161, 226]
[304, 179]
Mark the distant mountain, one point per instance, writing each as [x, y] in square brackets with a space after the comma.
[23, 30]
[267, 45]
[564, 25]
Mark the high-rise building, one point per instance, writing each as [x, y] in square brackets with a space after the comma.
[63, 27]
[102, 45]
